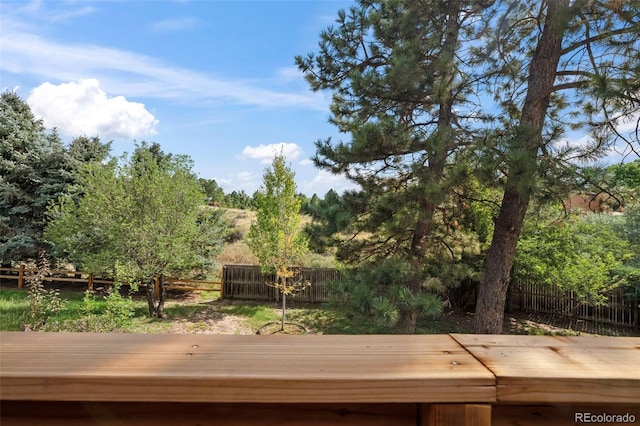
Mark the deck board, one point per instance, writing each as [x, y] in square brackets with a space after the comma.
[208, 368]
[560, 369]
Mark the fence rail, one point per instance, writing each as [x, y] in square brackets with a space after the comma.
[22, 275]
[619, 309]
[248, 282]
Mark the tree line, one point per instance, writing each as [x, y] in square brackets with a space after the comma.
[134, 217]
[457, 119]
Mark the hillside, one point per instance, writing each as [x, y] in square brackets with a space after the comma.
[236, 250]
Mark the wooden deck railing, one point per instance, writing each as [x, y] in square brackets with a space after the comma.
[51, 378]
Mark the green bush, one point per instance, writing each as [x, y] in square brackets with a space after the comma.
[379, 292]
[580, 254]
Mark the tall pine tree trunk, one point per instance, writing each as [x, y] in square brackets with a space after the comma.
[492, 291]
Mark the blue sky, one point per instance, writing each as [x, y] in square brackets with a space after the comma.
[212, 79]
[215, 80]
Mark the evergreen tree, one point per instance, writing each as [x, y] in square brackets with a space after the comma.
[214, 193]
[400, 91]
[35, 169]
[554, 66]
[86, 150]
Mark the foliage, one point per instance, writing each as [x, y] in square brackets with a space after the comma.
[214, 193]
[379, 292]
[85, 149]
[331, 219]
[627, 174]
[275, 237]
[401, 92]
[629, 272]
[43, 303]
[111, 314]
[583, 254]
[35, 169]
[239, 200]
[137, 220]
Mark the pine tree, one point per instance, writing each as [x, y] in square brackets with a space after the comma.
[400, 92]
[578, 62]
[35, 169]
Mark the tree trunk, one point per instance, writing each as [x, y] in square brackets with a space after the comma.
[492, 290]
[151, 290]
[284, 307]
[407, 322]
[161, 299]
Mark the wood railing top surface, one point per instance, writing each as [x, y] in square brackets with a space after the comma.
[317, 369]
[560, 368]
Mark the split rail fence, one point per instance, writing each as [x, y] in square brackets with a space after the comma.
[238, 282]
[22, 274]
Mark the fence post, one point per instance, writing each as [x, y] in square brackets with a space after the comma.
[21, 276]
[90, 282]
[222, 284]
[156, 293]
[636, 305]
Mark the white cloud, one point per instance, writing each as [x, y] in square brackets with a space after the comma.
[84, 108]
[290, 74]
[324, 181]
[176, 24]
[121, 71]
[628, 124]
[266, 153]
[246, 176]
[306, 162]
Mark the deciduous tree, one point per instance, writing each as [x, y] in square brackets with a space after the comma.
[138, 218]
[276, 237]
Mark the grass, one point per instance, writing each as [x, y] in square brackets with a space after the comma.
[194, 314]
[13, 304]
[257, 314]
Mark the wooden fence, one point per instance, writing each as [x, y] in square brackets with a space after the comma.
[618, 309]
[248, 282]
[22, 275]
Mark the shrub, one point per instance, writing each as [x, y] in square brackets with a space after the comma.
[379, 292]
[43, 303]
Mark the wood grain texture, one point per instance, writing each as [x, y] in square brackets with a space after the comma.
[557, 369]
[455, 415]
[208, 368]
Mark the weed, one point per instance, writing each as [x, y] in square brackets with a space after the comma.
[42, 303]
